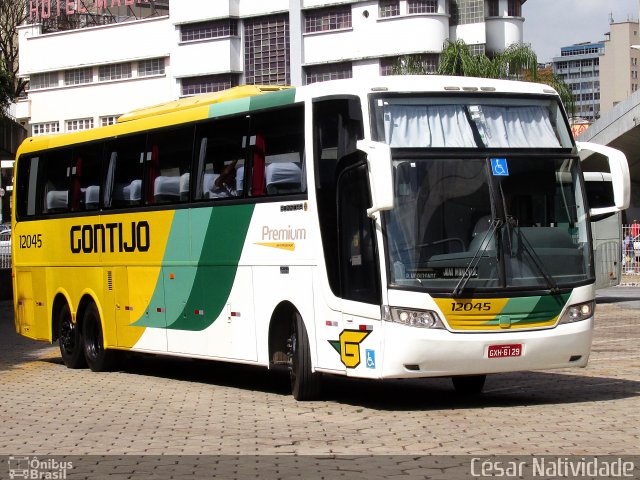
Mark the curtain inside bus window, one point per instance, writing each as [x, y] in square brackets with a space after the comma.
[76, 175]
[257, 180]
[421, 126]
[514, 127]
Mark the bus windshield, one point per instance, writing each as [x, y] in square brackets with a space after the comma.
[482, 221]
[487, 223]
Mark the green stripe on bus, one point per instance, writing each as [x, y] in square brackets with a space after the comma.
[274, 99]
[196, 295]
[536, 309]
[229, 108]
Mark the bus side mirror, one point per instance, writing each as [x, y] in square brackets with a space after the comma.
[619, 169]
[380, 175]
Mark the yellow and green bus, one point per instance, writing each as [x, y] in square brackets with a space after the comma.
[399, 227]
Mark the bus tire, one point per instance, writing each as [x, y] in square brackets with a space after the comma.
[305, 385]
[70, 340]
[98, 358]
[469, 384]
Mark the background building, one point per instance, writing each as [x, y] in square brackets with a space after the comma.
[619, 65]
[579, 66]
[89, 66]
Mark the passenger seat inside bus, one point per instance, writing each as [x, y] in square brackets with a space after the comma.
[128, 194]
[285, 177]
[166, 189]
[92, 197]
[57, 200]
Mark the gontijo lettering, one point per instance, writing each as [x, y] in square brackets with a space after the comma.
[110, 237]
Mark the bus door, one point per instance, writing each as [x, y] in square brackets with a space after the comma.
[359, 273]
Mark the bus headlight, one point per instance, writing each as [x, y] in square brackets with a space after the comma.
[412, 318]
[579, 312]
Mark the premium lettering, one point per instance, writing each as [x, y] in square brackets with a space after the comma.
[280, 234]
[110, 238]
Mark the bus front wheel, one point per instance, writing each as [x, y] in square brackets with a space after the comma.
[305, 385]
[98, 358]
[70, 340]
[469, 384]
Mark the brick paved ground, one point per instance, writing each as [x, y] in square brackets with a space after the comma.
[169, 406]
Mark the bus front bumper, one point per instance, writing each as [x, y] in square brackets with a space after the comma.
[411, 352]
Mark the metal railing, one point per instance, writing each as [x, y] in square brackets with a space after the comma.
[5, 250]
[631, 249]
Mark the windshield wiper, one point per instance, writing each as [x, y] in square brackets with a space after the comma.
[512, 222]
[496, 224]
[551, 283]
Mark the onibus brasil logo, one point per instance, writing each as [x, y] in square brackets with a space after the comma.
[348, 346]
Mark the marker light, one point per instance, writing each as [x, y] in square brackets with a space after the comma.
[579, 312]
[412, 318]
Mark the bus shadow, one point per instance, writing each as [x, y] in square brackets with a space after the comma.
[501, 390]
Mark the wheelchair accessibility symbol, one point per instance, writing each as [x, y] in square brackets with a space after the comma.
[499, 167]
[371, 358]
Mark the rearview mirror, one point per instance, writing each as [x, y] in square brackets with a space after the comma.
[619, 169]
[380, 175]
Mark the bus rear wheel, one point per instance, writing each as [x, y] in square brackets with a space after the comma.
[70, 340]
[305, 385]
[469, 384]
[98, 358]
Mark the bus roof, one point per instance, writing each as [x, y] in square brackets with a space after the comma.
[254, 97]
[200, 100]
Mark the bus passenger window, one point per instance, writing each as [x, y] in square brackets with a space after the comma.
[56, 173]
[220, 146]
[168, 165]
[277, 152]
[123, 181]
[85, 177]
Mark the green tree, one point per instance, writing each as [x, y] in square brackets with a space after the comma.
[13, 13]
[516, 62]
[6, 92]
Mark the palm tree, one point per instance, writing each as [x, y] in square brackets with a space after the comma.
[516, 62]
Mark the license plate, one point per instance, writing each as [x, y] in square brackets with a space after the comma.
[502, 351]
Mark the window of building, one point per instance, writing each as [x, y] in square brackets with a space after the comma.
[466, 11]
[45, 128]
[388, 8]
[332, 71]
[266, 50]
[78, 76]
[478, 49]
[333, 18]
[428, 63]
[514, 8]
[43, 80]
[79, 124]
[208, 83]
[108, 120]
[493, 8]
[422, 6]
[213, 29]
[116, 71]
[152, 66]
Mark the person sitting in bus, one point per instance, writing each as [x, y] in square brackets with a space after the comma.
[225, 184]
